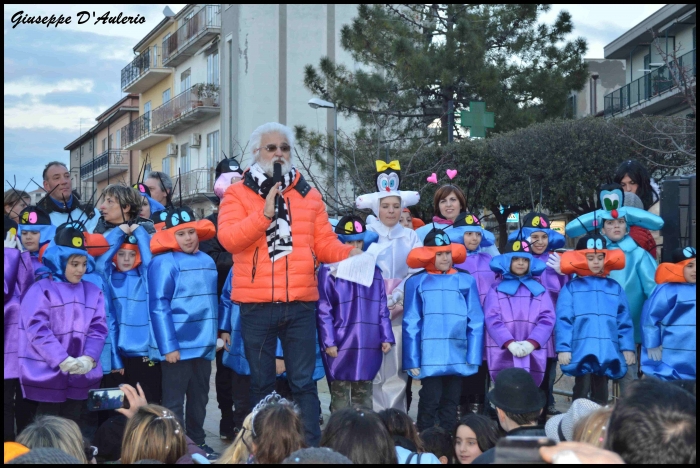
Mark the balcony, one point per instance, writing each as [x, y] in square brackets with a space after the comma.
[107, 165]
[194, 34]
[144, 71]
[195, 182]
[648, 91]
[137, 135]
[185, 110]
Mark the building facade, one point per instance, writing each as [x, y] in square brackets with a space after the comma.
[649, 83]
[176, 73]
[604, 77]
[97, 157]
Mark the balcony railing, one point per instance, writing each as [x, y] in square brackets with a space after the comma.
[194, 182]
[140, 65]
[650, 85]
[182, 106]
[206, 20]
[115, 160]
[136, 129]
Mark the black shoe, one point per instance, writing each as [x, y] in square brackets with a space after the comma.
[320, 419]
[211, 454]
[552, 411]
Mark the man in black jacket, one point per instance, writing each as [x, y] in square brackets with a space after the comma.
[232, 390]
[518, 402]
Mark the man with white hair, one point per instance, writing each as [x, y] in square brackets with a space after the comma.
[278, 233]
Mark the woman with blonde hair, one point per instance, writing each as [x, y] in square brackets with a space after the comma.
[153, 433]
[55, 432]
[593, 429]
[238, 453]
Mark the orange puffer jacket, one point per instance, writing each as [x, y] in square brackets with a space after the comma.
[242, 227]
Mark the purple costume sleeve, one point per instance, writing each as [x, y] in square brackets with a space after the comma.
[494, 319]
[97, 332]
[327, 298]
[36, 316]
[11, 271]
[544, 324]
[385, 331]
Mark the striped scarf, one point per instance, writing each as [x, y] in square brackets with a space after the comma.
[279, 233]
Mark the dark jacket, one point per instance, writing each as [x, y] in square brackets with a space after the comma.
[104, 226]
[488, 457]
[222, 258]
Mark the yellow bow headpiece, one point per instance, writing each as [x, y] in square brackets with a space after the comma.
[383, 166]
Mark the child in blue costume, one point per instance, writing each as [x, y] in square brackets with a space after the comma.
[124, 267]
[668, 320]
[637, 278]
[594, 334]
[35, 231]
[443, 328]
[544, 241]
[183, 307]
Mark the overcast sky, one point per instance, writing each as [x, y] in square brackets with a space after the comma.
[58, 79]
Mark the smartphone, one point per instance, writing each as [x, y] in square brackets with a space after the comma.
[561, 250]
[521, 449]
[100, 399]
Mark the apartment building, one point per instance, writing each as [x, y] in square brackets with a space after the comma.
[604, 77]
[176, 74]
[97, 157]
[649, 85]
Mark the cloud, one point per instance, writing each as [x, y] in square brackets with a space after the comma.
[33, 87]
[33, 113]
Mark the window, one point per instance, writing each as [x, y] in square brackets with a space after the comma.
[184, 158]
[166, 95]
[147, 116]
[104, 144]
[111, 142]
[118, 143]
[154, 59]
[213, 68]
[185, 82]
[166, 165]
[212, 149]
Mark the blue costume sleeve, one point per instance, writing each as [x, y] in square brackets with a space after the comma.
[412, 324]
[625, 328]
[279, 354]
[327, 300]
[225, 304]
[545, 321]
[475, 326]
[161, 287]
[646, 269]
[655, 309]
[103, 263]
[564, 329]
[113, 327]
[143, 239]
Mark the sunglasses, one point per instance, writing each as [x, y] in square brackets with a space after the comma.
[285, 148]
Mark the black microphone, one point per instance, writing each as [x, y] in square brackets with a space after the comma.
[277, 178]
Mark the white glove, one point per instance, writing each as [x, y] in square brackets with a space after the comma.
[415, 372]
[390, 301]
[527, 347]
[70, 365]
[654, 353]
[86, 365]
[630, 357]
[554, 262]
[10, 241]
[564, 359]
[515, 349]
[398, 296]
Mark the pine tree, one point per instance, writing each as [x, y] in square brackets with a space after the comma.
[416, 58]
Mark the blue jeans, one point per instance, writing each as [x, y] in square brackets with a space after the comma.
[295, 325]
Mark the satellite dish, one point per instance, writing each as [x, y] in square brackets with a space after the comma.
[168, 12]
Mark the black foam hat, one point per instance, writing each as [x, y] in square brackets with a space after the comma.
[10, 225]
[68, 235]
[682, 254]
[34, 215]
[227, 165]
[592, 241]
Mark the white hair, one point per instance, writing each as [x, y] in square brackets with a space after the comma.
[264, 129]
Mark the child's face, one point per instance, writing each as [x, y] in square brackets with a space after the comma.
[596, 262]
[443, 261]
[472, 240]
[145, 209]
[30, 240]
[405, 220]
[358, 244]
[689, 272]
[75, 268]
[539, 241]
[187, 240]
[615, 229]
[390, 211]
[126, 259]
[519, 266]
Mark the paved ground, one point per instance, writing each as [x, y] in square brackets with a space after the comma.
[211, 424]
